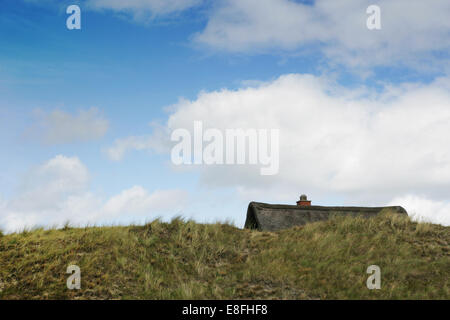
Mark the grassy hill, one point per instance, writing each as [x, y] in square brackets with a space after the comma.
[186, 260]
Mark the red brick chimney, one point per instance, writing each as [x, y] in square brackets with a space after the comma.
[304, 202]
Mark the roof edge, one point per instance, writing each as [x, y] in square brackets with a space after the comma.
[252, 221]
[255, 205]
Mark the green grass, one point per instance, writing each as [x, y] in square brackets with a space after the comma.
[186, 260]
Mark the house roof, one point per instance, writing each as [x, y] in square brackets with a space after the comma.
[272, 217]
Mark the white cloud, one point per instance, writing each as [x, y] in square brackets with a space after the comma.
[59, 127]
[57, 191]
[121, 146]
[359, 145]
[412, 30]
[138, 201]
[424, 209]
[45, 186]
[143, 9]
[158, 142]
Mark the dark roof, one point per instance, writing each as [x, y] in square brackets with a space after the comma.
[272, 217]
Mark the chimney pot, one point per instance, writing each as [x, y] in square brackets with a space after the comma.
[304, 202]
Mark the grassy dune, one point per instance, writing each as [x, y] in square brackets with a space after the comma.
[186, 260]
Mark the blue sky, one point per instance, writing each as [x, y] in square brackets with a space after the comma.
[132, 60]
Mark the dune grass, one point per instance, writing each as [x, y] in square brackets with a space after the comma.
[186, 260]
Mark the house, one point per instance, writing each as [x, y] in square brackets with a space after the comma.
[272, 217]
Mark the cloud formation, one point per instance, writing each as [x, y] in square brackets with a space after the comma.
[355, 144]
[122, 146]
[158, 141]
[60, 127]
[414, 33]
[57, 192]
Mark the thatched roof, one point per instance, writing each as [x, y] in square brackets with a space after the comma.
[272, 217]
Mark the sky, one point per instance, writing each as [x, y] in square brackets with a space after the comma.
[87, 115]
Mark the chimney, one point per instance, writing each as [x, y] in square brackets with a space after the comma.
[304, 202]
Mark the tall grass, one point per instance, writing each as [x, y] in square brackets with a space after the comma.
[186, 260]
